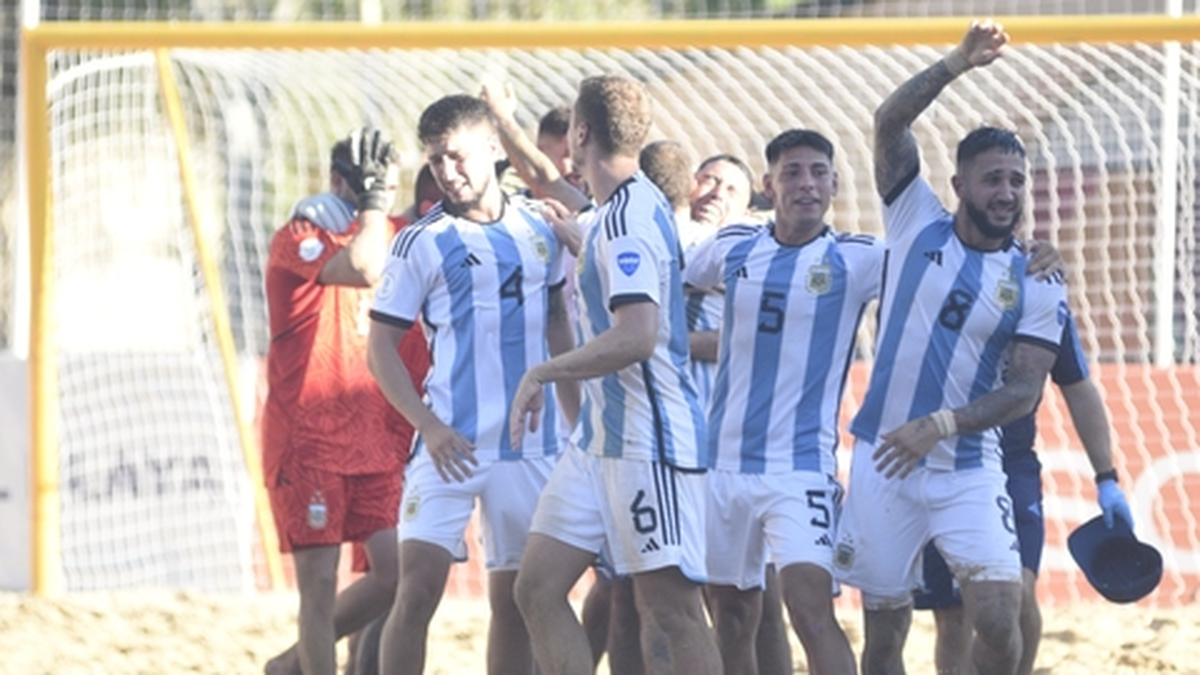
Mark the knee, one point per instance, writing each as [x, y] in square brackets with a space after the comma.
[385, 577]
[1031, 615]
[772, 613]
[502, 598]
[415, 599]
[320, 590]
[508, 615]
[318, 583]
[885, 632]
[736, 620]
[818, 623]
[673, 617]
[528, 595]
[998, 629]
[811, 613]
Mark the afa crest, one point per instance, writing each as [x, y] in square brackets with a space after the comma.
[820, 279]
[843, 556]
[412, 506]
[540, 248]
[1008, 294]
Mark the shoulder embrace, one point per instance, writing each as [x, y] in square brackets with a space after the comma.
[1055, 278]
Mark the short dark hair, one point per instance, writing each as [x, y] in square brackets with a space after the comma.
[667, 165]
[617, 112]
[798, 138]
[987, 138]
[340, 154]
[556, 122]
[730, 159]
[449, 113]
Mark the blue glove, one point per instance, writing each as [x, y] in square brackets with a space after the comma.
[1112, 503]
[327, 211]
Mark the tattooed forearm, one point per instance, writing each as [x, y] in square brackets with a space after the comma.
[896, 154]
[994, 409]
[1025, 378]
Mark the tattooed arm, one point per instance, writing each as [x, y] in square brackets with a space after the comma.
[1026, 375]
[896, 155]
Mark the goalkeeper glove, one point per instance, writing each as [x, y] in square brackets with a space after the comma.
[366, 173]
[1112, 502]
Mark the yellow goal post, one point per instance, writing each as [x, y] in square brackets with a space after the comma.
[1107, 104]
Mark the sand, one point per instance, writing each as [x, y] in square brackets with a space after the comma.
[181, 632]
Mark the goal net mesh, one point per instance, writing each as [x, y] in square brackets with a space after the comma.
[155, 489]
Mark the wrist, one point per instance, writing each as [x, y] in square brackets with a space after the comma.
[537, 374]
[945, 422]
[1103, 476]
[956, 62]
[373, 200]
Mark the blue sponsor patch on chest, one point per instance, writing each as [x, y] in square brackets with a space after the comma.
[628, 262]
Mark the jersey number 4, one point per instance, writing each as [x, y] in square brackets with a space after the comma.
[513, 287]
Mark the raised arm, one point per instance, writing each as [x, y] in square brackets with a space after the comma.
[372, 177]
[896, 154]
[531, 164]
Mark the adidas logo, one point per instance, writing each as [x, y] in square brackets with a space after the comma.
[650, 546]
[741, 273]
[471, 261]
[824, 540]
[935, 256]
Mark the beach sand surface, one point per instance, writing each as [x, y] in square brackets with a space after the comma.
[184, 632]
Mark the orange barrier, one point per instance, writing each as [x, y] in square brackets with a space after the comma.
[1156, 446]
[1156, 449]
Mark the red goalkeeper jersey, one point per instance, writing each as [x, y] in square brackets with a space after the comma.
[323, 408]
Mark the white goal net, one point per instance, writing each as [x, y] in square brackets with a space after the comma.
[154, 485]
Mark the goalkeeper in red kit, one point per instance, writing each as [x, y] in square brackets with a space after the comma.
[333, 447]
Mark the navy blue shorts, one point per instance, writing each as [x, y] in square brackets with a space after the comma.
[1025, 487]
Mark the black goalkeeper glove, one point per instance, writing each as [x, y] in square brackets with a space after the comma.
[370, 155]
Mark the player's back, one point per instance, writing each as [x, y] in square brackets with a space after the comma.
[648, 410]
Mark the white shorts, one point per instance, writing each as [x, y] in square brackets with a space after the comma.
[438, 512]
[790, 517]
[887, 522]
[637, 516]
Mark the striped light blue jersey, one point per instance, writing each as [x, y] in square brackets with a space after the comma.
[647, 410]
[482, 291]
[704, 309]
[791, 313]
[948, 317]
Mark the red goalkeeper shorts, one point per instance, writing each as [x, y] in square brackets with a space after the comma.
[318, 508]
